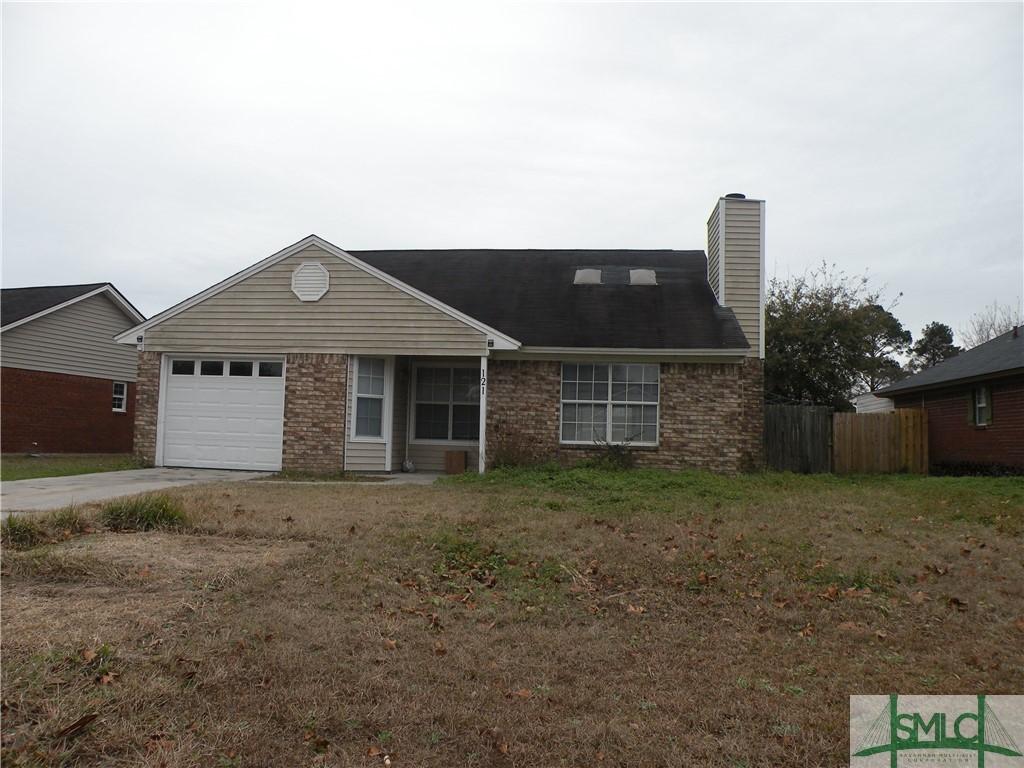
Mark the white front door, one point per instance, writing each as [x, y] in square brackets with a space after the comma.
[223, 413]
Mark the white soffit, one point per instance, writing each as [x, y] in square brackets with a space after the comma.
[310, 281]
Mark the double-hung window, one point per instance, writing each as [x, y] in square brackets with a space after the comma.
[120, 396]
[447, 403]
[370, 397]
[610, 403]
[982, 407]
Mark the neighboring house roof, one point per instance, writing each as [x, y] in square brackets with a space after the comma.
[998, 357]
[531, 295]
[21, 305]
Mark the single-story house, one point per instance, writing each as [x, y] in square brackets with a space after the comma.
[321, 359]
[65, 385]
[974, 402]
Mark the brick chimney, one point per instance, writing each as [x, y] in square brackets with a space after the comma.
[736, 263]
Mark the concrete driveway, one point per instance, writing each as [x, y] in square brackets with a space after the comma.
[56, 492]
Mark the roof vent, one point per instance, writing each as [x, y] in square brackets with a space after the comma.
[736, 196]
[310, 281]
[587, 277]
[642, 277]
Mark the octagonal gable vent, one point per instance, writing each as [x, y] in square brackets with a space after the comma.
[310, 281]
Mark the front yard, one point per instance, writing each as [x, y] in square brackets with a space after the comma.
[20, 466]
[523, 619]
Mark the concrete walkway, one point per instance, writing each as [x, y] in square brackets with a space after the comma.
[56, 492]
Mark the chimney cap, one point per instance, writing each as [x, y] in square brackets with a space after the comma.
[736, 196]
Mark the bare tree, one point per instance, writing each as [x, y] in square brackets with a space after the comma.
[990, 322]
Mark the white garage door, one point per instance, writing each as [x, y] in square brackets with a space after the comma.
[226, 414]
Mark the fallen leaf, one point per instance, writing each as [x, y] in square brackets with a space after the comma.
[70, 731]
[881, 634]
[503, 747]
[739, 537]
[88, 655]
[636, 608]
[106, 678]
[389, 643]
[1019, 624]
[702, 578]
[439, 649]
[145, 572]
[807, 631]
[830, 593]
[956, 602]
[373, 751]
[780, 603]
[522, 693]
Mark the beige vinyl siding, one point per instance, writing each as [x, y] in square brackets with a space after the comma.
[429, 457]
[714, 251]
[400, 421]
[359, 313]
[360, 455]
[77, 340]
[743, 267]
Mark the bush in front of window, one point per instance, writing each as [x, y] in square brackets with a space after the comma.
[511, 447]
[612, 456]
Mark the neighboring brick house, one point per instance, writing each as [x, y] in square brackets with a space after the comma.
[65, 385]
[321, 359]
[975, 405]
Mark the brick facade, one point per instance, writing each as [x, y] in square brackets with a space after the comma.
[952, 439]
[60, 413]
[314, 413]
[147, 399]
[711, 415]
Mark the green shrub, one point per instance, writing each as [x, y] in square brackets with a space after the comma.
[22, 532]
[143, 513]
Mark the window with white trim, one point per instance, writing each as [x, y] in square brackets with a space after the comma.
[370, 397]
[447, 403]
[610, 402]
[120, 396]
[982, 407]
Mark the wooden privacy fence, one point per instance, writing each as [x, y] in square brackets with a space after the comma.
[896, 441]
[811, 439]
[798, 438]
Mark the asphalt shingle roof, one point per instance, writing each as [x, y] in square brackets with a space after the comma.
[530, 295]
[18, 303]
[1001, 355]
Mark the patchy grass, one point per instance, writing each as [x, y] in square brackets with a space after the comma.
[19, 466]
[523, 618]
[144, 513]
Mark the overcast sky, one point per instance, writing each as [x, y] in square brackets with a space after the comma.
[164, 146]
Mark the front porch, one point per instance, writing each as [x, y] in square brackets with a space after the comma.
[406, 412]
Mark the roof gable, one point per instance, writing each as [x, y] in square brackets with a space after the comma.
[496, 338]
[22, 305]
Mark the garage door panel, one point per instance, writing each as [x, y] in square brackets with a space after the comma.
[232, 422]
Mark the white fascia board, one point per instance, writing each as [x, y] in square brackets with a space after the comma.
[117, 298]
[618, 353]
[500, 340]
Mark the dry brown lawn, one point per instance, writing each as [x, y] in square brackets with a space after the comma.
[539, 618]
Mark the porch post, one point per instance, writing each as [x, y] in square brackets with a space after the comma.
[483, 414]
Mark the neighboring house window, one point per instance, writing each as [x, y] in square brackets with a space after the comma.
[120, 396]
[370, 397]
[447, 403]
[616, 403]
[982, 407]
